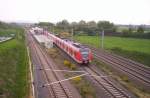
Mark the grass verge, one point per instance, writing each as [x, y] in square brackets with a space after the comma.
[13, 68]
[134, 55]
[135, 49]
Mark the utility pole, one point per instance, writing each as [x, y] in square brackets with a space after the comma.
[53, 30]
[72, 33]
[102, 42]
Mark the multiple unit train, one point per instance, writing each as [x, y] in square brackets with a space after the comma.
[76, 51]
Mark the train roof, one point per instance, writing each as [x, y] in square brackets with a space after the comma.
[75, 44]
[71, 42]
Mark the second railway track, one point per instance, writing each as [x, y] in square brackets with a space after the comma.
[133, 69]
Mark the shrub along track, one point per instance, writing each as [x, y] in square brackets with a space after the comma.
[136, 72]
[57, 90]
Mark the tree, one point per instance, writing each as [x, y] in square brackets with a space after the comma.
[140, 29]
[4, 25]
[130, 30]
[92, 25]
[74, 25]
[64, 24]
[82, 25]
[105, 25]
[125, 33]
[45, 24]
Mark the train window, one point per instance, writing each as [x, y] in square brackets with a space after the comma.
[71, 51]
[68, 49]
[60, 44]
[64, 45]
[74, 52]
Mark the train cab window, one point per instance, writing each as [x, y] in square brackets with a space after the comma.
[84, 53]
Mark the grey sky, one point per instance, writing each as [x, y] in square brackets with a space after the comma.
[117, 11]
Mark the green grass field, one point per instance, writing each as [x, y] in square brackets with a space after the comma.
[136, 49]
[13, 68]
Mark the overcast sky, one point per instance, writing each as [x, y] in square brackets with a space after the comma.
[117, 11]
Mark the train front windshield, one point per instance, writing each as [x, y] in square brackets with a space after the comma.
[84, 53]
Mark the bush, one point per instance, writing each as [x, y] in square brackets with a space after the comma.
[73, 66]
[77, 79]
[87, 91]
[125, 78]
[52, 52]
[67, 63]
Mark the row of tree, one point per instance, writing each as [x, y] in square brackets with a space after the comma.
[82, 25]
[90, 27]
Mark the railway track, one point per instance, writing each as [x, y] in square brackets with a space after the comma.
[131, 68]
[111, 89]
[56, 90]
[39, 76]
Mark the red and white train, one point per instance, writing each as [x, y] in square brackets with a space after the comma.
[76, 51]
